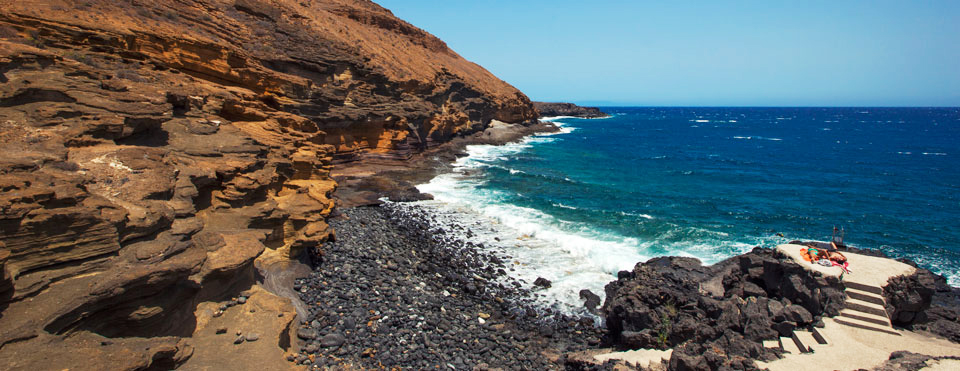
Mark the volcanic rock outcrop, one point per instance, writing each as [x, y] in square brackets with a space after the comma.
[568, 109]
[924, 301]
[717, 316]
[157, 157]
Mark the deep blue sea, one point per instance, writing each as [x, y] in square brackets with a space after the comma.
[603, 194]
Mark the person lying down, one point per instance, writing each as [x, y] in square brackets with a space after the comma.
[825, 258]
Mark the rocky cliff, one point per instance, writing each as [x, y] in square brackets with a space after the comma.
[568, 109]
[159, 158]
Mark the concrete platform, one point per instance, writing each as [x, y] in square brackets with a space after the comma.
[866, 270]
[638, 358]
[861, 336]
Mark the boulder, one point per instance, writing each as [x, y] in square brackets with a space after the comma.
[798, 314]
[590, 300]
[332, 340]
[542, 282]
[924, 301]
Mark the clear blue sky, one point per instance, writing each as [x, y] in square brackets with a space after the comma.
[741, 53]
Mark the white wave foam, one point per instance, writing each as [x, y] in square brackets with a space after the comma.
[645, 216]
[934, 153]
[572, 254]
[557, 204]
[757, 137]
[564, 128]
[555, 118]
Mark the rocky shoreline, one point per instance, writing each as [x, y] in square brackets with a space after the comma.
[166, 164]
[711, 317]
[364, 183]
[568, 109]
[393, 290]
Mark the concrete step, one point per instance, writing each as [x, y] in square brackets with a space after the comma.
[864, 325]
[789, 346]
[866, 317]
[771, 344]
[822, 340]
[864, 296]
[865, 306]
[805, 340]
[859, 286]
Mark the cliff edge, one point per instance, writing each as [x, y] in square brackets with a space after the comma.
[164, 164]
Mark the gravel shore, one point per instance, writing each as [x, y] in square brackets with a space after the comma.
[395, 290]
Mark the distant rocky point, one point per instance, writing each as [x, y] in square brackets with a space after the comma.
[567, 109]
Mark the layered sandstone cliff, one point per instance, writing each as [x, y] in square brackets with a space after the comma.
[158, 157]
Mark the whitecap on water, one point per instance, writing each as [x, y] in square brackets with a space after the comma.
[560, 205]
[757, 137]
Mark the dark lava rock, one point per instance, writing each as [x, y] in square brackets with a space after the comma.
[798, 314]
[332, 340]
[567, 109]
[731, 306]
[307, 333]
[546, 331]
[907, 361]
[785, 329]
[590, 300]
[398, 285]
[542, 282]
[924, 301]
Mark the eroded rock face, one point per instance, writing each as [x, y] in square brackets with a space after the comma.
[152, 152]
[733, 305]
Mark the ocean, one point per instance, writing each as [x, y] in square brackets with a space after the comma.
[601, 195]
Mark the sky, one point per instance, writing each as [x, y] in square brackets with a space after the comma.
[707, 53]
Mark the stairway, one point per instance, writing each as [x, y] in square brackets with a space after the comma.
[865, 309]
[800, 341]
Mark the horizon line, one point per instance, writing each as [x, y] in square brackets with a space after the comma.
[742, 106]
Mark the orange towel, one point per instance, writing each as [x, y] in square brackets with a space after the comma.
[805, 255]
